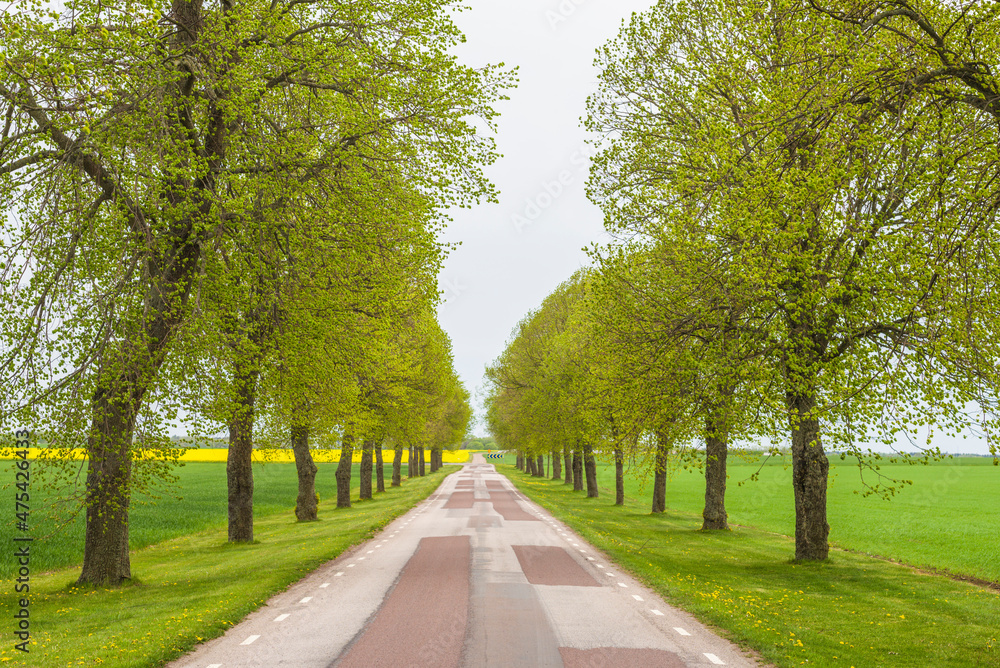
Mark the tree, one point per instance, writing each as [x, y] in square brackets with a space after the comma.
[135, 154]
[849, 225]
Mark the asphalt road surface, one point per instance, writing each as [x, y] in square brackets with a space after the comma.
[474, 576]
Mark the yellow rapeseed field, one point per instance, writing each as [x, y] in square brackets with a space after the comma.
[264, 455]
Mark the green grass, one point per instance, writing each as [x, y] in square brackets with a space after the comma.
[196, 502]
[852, 610]
[946, 520]
[193, 587]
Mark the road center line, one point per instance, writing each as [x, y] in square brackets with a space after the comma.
[681, 631]
[656, 612]
[306, 599]
[637, 597]
[249, 640]
[714, 659]
[324, 585]
[281, 618]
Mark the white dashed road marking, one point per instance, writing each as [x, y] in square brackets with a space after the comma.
[656, 612]
[324, 585]
[637, 597]
[306, 599]
[249, 640]
[681, 631]
[281, 618]
[714, 659]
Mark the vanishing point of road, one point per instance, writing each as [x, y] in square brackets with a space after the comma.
[476, 575]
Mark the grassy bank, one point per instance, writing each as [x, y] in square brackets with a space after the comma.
[850, 611]
[193, 587]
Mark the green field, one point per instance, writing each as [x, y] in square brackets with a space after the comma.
[947, 519]
[852, 610]
[195, 503]
[194, 586]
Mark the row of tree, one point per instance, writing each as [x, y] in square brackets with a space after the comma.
[227, 213]
[803, 205]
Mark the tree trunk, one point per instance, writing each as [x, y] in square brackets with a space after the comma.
[556, 465]
[619, 477]
[568, 461]
[307, 503]
[519, 461]
[397, 465]
[660, 474]
[420, 461]
[343, 474]
[714, 514]
[590, 466]
[379, 470]
[529, 465]
[109, 474]
[239, 463]
[810, 471]
[411, 461]
[366, 469]
[577, 471]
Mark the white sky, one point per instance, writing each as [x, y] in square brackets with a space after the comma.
[505, 267]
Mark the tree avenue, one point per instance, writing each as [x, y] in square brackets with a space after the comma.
[206, 175]
[804, 212]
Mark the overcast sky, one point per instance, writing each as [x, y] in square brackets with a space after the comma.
[516, 252]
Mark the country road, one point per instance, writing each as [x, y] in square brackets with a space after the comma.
[476, 575]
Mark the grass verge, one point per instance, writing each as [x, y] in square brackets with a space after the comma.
[191, 588]
[852, 610]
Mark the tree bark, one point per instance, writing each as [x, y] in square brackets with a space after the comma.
[420, 461]
[556, 465]
[366, 469]
[109, 474]
[343, 474]
[810, 473]
[307, 503]
[660, 473]
[379, 470]
[619, 477]
[577, 471]
[714, 515]
[590, 467]
[397, 465]
[519, 461]
[568, 461]
[239, 462]
[411, 462]
[540, 466]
